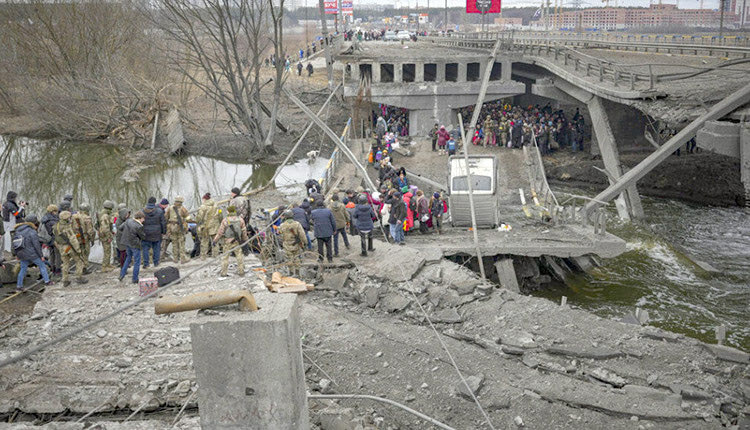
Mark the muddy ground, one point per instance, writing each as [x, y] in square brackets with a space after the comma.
[702, 178]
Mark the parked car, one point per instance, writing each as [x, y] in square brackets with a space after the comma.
[389, 36]
[403, 35]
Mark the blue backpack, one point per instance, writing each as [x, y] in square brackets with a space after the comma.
[451, 145]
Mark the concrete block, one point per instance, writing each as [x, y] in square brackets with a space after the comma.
[248, 366]
[722, 127]
[725, 144]
[745, 158]
[507, 274]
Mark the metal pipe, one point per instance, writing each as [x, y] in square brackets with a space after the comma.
[430, 420]
[206, 299]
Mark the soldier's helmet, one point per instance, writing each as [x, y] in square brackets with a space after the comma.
[362, 200]
[109, 204]
[64, 205]
[84, 207]
[288, 214]
[64, 215]
[179, 199]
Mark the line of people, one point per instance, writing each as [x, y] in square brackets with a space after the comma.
[63, 238]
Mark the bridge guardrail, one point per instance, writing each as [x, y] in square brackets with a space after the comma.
[695, 39]
[633, 76]
[334, 162]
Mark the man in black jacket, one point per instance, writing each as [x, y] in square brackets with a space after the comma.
[154, 227]
[133, 236]
[325, 225]
[397, 217]
[29, 250]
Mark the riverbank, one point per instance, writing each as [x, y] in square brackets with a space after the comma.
[207, 132]
[702, 178]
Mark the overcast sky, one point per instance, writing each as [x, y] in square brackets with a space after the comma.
[683, 4]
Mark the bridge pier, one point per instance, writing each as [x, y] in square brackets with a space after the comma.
[745, 160]
[628, 202]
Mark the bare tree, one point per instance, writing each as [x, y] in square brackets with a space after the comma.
[83, 69]
[219, 46]
[277, 18]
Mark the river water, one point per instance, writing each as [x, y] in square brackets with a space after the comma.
[655, 275]
[652, 274]
[43, 172]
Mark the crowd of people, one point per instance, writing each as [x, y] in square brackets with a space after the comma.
[501, 124]
[389, 119]
[65, 234]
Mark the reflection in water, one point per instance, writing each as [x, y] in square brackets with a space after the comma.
[43, 172]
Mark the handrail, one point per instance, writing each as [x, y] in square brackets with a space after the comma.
[630, 75]
[330, 170]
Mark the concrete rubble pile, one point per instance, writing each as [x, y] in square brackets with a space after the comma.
[525, 359]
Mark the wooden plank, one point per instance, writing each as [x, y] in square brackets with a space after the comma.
[175, 137]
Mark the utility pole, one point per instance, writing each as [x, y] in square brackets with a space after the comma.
[721, 18]
[445, 24]
[324, 31]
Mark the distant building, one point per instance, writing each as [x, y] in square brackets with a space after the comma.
[508, 23]
[657, 15]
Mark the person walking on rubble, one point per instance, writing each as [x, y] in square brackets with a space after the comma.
[234, 232]
[363, 216]
[133, 237]
[208, 220]
[104, 223]
[341, 216]
[84, 228]
[177, 226]
[325, 225]
[293, 240]
[154, 226]
[28, 249]
[66, 241]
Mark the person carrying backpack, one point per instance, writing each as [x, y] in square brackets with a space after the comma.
[47, 238]
[208, 220]
[234, 232]
[28, 250]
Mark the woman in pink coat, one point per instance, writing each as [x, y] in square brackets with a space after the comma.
[409, 212]
[443, 138]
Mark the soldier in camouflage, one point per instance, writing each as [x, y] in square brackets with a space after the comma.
[84, 228]
[66, 241]
[294, 240]
[234, 232]
[104, 223]
[176, 217]
[208, 220]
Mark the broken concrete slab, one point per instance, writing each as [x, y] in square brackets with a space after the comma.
[404, 262]
[506, 274]
[642, 402]
[599, 353]
[393, 302]
[512, 350]
[334, 281]
[449, 316]
[475, 383]
[727, 353]
[465, 287]
[662, 335]
[607, 376]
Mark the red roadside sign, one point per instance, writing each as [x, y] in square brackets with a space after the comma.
[482, 6]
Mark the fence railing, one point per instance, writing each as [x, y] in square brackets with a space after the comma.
[690, 39]
[641, 77]
[326, 180]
